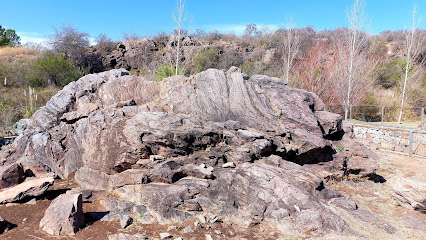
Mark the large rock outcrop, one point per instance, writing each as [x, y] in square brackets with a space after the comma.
[100, 120]
[162, 146]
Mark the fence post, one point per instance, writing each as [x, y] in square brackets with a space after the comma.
[422, 123]
[410, 143]
[350, 112]
[383, 112]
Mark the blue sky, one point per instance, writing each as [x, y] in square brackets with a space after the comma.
[35, 20]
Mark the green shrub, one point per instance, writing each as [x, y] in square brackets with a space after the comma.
[247, 67]
[390, 74]
[165, 71]
[368, 111]
[52, 68]
[206, 59]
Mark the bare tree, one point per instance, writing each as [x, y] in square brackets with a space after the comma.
[250, 29]
[363, 70]
[352, 53]
[314, 72]
[413, 43]
[70, 42]
[290, 49]
[179, 21]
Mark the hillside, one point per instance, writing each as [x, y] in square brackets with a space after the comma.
[315, 67]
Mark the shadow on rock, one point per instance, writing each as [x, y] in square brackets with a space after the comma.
[92, 217]
[51, 194]
[6, 226]
[375, 178]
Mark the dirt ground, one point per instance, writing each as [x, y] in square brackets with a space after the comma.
[392, 221]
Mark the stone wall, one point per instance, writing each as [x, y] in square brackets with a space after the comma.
[392, 139]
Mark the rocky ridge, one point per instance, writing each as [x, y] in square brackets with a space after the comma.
[217, 144]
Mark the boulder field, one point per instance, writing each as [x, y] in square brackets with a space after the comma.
[218, 144]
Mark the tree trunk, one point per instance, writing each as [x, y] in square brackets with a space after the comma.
[409, 42]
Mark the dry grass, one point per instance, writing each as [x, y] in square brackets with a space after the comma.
[16, 103]
[14, 51]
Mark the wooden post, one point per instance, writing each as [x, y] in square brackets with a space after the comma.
[383, 112]
[422, 123]
[410, 143]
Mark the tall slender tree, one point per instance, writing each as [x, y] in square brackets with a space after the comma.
[413, 42]
[354, 41]
[179, 21]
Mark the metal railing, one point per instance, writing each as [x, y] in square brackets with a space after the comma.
[400, 140]
[380, 114]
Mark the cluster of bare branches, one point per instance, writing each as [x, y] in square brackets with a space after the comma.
[291, 46]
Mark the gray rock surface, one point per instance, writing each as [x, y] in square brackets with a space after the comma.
[200, 104]
[20, 126]
[64, 216]
[331, 123]
[161, 147]
[31, 187]
[250, 193]
[410, 193]
[122, 210]
[165, 235]
[11, 174]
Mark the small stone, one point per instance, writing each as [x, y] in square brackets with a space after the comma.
[188, 229]
[196, 223]
[170, 228]
[228, 165]
[218, 232]
[143, 161]
[202, 219]
[297, 208]
[154, 158]
[178, 238]
[11, 204]
[31, 202]
[208, 227]
[215, 219]
[165, 235]
[125, 236]
[25, 219]
[202, 165]
[210, 169]
[125, 221]
[209, 237]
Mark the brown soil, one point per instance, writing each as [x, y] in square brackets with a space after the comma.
[392, 221]
[375, 197]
